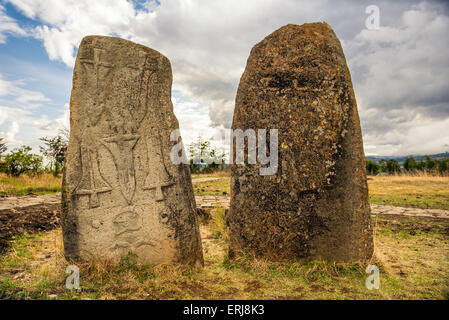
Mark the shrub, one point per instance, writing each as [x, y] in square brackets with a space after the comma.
[372, 167]
[20, 160]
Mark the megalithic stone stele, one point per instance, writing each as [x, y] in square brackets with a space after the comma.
[316, 205]
[121, 112]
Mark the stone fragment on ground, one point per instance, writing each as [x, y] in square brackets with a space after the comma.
[29, 200]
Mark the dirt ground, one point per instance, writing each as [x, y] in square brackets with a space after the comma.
[28, 215]
[32, 214]
[27, 220]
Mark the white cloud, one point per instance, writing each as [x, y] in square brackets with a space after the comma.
[400, 72]
[21, 119]
[401, 77]
[408, 64]
[10, 136]
[409, 133]
[9, 120]
[8, 26]
[20, 126]
[21, 96]
[65, 23]
[195, 121]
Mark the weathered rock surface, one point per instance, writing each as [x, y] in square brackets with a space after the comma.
[121, 192]
[316, 205]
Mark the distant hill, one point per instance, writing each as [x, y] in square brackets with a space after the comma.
[417, 157]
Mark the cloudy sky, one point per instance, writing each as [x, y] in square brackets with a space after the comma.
[400, 71]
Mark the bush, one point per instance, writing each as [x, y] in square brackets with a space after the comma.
[20, 160]
[393, 166]
[372, 167]
[443, 165]
[410, 164]
[430, 163]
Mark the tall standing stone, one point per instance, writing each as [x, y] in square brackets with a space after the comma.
[296, 80]
[121, 192]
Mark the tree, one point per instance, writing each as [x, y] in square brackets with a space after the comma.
[372, 167]
[430, 163]
[410, 164]
[3, 147]
[198, 150]
[20, 160]
[443, 165]
[218, 159]
[420, 165]
[383, 165]
[393, 166]
[203, 157]
[55, 149]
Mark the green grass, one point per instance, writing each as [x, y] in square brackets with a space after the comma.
[216, 187]
[413, 265]
[217, 226]
[19, 186]
[409, 191]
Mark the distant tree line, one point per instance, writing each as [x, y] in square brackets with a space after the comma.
[410, 165]
[203, 157]
[21, 161]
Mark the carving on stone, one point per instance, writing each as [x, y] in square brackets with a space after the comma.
[121, 148]
[137, 103]
[101, 70]
[121, 145]
[126, 221]
[157, 178]
[121, 97]
[158, 187]
[125, 224]
[92, 183]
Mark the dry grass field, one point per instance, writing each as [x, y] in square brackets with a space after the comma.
[420, 191]
[411, 252]
[19, 186]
